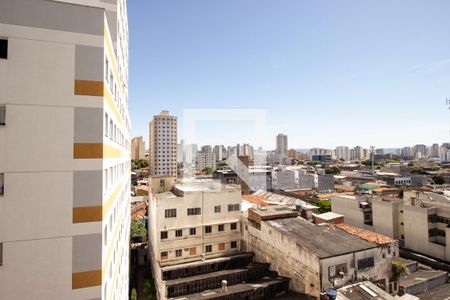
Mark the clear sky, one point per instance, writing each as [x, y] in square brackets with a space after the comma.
[328, 73]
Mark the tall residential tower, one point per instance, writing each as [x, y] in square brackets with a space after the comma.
[163, 145]
[64, 149]
[282, 148]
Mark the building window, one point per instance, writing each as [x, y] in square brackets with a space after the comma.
[208, 229]
[171, 213]
[192, 251]
[366, 263]
[192, 231]
[233, 226]
[164, 255]
[106, 69]
[179, 232]
[217, 209]
[106, 124]
[334, 271]
[2, 115]
[2, 184]
[1, 254]
[194, 211]
[221, 246]
[164, 235]
[233, 244]
[208, 248]
[178, 253]
[233, 207]
[221, 227]
[3, 48]
[162, 183]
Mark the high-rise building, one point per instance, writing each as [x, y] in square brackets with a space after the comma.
[435, 150]
[282, 148]
[163, 145]
[65, 215]
[137, 148]
[206, 158]
[343, 152]
[220, 152]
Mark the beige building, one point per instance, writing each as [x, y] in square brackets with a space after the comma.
[64, 150]
[163, 145]
[196, 220]
[137, 148]
[419, 221]
[317, 257]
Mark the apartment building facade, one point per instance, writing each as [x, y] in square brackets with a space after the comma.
[137, 148]
[64, 150]
[163, 145]
[196, 220]
[419, 221]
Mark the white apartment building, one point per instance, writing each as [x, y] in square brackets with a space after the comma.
[196, 220]
[206, 158]
[163, 145]
[419, 221]
[137, 148]
[64, 150]
[343, 152]
[282, 148]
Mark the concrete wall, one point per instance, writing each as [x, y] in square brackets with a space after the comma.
[383, 257]
[285, 256]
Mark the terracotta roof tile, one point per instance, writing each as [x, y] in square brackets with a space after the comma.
[367, 235]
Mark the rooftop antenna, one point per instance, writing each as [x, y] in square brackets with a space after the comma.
[372, 149]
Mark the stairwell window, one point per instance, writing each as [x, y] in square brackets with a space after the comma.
[2, 115]
[3, 48]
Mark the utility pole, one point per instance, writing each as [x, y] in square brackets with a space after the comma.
[372, 149]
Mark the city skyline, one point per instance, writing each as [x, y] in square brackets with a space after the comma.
[327, 74]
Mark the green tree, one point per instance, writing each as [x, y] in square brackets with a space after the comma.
[149, 290]
[333, 170]
[133, 294]
[324, 206]
[208, 170]
[397, 269]
[138, 230]
[138, 164]
[438, 179]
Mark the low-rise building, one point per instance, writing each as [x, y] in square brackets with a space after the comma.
[193, 221]
[317, 257]
[420, 220]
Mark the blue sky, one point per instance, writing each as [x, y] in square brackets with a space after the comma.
[328, 73]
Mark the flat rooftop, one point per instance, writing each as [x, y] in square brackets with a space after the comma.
[204, 186]
[439, 293]
[419, 277]
[324, 241]
[328, 216]
[363, 291]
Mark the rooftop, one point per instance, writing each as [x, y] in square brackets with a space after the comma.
[366, 235]
[363, 291]
[439, 293]
[324, 241]
[328, 216]
[419, 277]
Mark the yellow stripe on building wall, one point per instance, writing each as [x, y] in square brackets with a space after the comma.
[88, 88]
[87, 214]
[86, 279]
[112, 104]
[96, 151]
